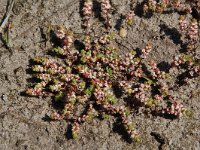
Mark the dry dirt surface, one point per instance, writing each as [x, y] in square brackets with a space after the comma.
[23, 123]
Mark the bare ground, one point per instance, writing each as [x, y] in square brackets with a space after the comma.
[22, 119]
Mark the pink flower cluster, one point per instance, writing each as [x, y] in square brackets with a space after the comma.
[182, 24]
[93, 76]
[36, 91]
[129, 17]
[80, 120]
[134, 134]
[105, 12]
[164, 5]
[146, 50]
[191, 30]
[155, 71]
[175, 109]
[181, 7]
[178, 60]
[194, 72]
[87, 12]
[141, 94]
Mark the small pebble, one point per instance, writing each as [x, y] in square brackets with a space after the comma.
[4, 97]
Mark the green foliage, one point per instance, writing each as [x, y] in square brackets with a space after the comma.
[105, 116]
[109, 71]
[127, 112]
[99, 55]
[112, 36]
[59, 96]
[74, 135]
[89, 90]
[90, 76]
[58, 50]
[6, 37]
[73, 101]
[111, 98]
[187, 112]
[149, 81]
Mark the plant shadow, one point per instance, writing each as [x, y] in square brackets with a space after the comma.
[120, 129]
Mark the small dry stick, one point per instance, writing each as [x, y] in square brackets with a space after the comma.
[7, 15]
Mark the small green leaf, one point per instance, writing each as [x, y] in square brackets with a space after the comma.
[38, 85]
[149, 81]
[138, 139]
[109, 71]
[133, 52]
[58, 50]
[99, 55]
[112, 36]
[73, 101]
[83, 60]
[105, 116]
[127, 112]
[187, 112]
[73, 81]
[150, 102]
[6, 37]
[187, 58]
[82, 85]
[112, 99]
[74, 135]
[49, 28]
[89, 90]
[89, 53]
[136, 59]
[130, 22]
[59, 96]
[91, 87]
[130, 126]
[83, 52]
[51, 87]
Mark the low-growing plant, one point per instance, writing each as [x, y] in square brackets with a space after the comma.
[105, 82]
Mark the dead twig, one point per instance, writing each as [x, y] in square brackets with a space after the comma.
[7, 14]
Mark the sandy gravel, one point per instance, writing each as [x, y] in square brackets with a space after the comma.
[23, 123]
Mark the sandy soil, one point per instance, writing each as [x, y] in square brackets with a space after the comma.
[22, 119]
